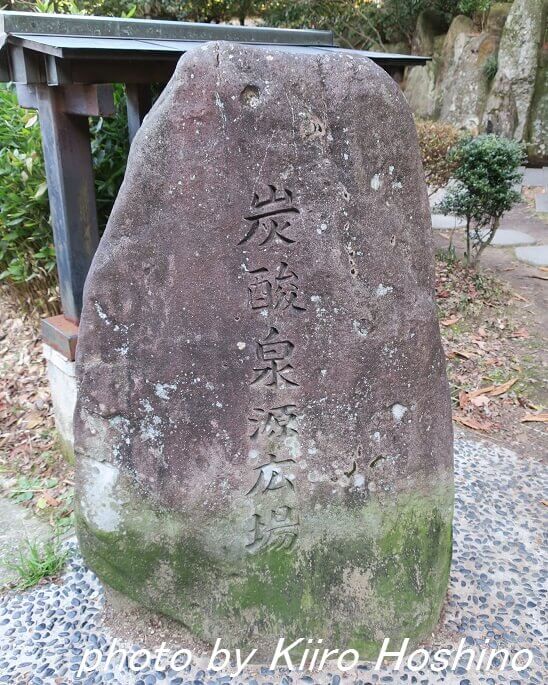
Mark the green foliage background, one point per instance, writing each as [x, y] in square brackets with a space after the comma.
[27, 256]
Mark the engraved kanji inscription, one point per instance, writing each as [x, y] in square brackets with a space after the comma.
[277, 531]
[273, 354]
[271, 217]
[279, 422]
[278, 291]
[271, 475]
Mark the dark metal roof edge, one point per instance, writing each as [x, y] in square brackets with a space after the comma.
[32, 42]
[35, 45]
[32, 22]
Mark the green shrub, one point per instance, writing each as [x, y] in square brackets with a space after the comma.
[485, 176]
[471, 7]
[363, 24]
[27, 257]
[436, 140]
[490, 67]
[109, 149]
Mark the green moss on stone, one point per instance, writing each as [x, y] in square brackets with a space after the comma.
[358, 575]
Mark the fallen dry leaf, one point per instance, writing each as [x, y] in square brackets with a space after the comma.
[481, 391]
[33, 420]
[530, 418]
[451, 320]
[465, 355]
[50, 499]
[470, 422]
[519, 333]
[480, 401]
[501, 389]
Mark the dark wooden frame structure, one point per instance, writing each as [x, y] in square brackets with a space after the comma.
[64, 66]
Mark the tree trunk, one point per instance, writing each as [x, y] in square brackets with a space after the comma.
[485, 243]
[468, 243]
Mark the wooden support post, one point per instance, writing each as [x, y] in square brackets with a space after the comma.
[69, 173]
[138, 103]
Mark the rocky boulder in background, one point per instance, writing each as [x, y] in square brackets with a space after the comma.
[462, 83]
[456, 86]
[509, 105]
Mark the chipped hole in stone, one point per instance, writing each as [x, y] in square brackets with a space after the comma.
[313, 127]
[236, 318]
[250, 96]
[376, 461]
[352, 470]
[346, 195]
[353, 271]
[393, 240]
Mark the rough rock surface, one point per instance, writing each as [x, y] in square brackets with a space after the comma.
[420, 91]
[455, 87]
[463, 84]
[537, 148]
[509, 104]
[263, 427]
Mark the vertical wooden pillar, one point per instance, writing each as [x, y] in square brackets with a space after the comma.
[71, 190]
[138, 103]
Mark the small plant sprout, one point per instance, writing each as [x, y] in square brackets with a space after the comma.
[37, 561]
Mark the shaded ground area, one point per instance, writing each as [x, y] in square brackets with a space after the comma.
[32, 469]
[495, 598]
[494, 326]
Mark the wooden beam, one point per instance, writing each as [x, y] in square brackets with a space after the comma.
[25, 66]
[69, 173]
[84, 100]
[138, 103]
[60, 334]
[124, 71]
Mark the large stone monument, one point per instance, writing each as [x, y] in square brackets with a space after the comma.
[263, 426]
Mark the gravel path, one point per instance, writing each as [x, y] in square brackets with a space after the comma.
[497, 592]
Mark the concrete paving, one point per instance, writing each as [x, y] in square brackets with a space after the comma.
[533, 177]
[506, 237]
[541, 202]
[536, 255]
[437, 197]
[441, 222]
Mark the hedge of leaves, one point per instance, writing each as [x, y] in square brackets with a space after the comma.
[27, 256]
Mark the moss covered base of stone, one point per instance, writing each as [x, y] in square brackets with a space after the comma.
[66, 448]
[382, 571]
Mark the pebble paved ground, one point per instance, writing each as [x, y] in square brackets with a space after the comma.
[497, 592]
